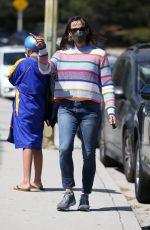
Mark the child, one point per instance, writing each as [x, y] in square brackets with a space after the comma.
[28, 113]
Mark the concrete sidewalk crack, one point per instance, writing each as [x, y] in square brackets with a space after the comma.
[111, 199]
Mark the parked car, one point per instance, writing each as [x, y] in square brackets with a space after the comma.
[129, 143]
[8, 56]
[112, 57]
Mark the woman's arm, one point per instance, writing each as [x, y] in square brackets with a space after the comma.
[45, 66]
[108, 90]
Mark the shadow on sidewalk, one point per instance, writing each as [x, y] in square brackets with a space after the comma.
[80, 189]
[123, 208]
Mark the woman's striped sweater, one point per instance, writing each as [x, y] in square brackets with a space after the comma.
[82, 74]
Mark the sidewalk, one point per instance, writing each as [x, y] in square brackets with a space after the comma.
[37, 210]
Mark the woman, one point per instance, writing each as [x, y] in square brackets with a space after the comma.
[83, 76]
[28, 114]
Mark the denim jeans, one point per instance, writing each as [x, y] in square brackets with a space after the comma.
[86, 116]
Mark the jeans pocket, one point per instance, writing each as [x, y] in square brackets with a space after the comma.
[92, 106]
[66, 104]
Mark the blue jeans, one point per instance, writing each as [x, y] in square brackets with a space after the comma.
[86, 116]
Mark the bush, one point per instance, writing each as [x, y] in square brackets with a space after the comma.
[137, 35]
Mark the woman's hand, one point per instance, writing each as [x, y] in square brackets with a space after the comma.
[112, 120]
[40, 43]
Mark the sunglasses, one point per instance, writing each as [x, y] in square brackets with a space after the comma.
[76, 29]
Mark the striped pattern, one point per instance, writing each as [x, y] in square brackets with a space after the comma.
[82, 74]
[14, 67]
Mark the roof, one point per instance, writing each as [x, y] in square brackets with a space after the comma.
[10, 49]
[140, 50]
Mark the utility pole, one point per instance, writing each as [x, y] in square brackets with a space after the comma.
[20, 21]
[50, 34]
[50, 25]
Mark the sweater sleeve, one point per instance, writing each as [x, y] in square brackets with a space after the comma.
[107, 86]
[46, 66]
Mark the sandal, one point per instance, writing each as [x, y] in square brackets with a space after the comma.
[21, 189]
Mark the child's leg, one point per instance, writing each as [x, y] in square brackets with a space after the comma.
[27, 162]
[38, 163]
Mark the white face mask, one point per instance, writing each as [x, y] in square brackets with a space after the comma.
[26, 55]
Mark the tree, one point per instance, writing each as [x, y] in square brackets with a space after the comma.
[112, 18]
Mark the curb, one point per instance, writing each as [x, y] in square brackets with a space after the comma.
[125, 212]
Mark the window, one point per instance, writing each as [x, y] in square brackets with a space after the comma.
[143, 74]
[11, 58]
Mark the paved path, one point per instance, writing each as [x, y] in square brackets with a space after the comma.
[37, 210]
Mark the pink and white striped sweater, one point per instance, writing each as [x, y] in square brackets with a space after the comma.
[82, 74]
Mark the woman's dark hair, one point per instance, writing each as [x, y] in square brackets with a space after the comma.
[65, 38]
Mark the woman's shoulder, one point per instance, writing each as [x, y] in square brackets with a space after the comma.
[98, 51]
[59, 53]
[90, 48]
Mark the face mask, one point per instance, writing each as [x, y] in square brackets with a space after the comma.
[79, 36]
[26, 55]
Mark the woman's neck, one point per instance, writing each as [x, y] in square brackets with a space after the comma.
[80, 44]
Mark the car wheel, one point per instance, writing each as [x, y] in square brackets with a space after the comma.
[142, 184]
[127, 157]
[106, 160]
